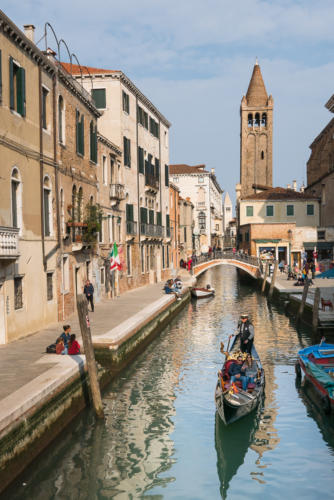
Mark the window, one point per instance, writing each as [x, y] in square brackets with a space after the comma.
[247, 236]
[62, 212]
[80, 133]
[159, 219]
[142, 258]
[16, 198]
[290, 210]
[228, 209]
[202, 221]
[99, 98]
[201, 180]
[47, 206]
[167, 256]
[141, 163]
[257, 120]
[126, 102]
[175, 179]
[61, 120]
[17, 84]
[79, 205]
[166, 176]
[321, 235]
[310, 209]
[250, 120]
[264, 120]
[262, 155]
[65, 274]
[154, 128]
[49, 286]
[93, 142]
[151, 217]
[249, 211]
[102, 275]
[128, 260]
[104, 170]
[185, 234]
[127, 151]
[163, 257]
[157, 168]
[142, 117]
[45, 93]
[269, 210]
[152, 258]
[18, 292]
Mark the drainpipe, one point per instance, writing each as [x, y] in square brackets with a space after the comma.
[138, 216]
[54, 81]
[41, 166]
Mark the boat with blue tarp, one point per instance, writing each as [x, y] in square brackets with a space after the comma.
[317, 364]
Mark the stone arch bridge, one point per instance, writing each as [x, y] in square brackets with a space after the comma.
[251, 265]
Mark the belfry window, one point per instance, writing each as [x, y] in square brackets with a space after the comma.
[250, 120]
[257, 120]
[264, 120]
[262, 155]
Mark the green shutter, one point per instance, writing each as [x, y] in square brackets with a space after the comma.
[77, 129]
[23, 90]
[151, 216]
[143, 215]
[11, 83]
[159, 219]
[129, 212]
[99, 98]
[166, 176]
[82, 135]
[167, 220]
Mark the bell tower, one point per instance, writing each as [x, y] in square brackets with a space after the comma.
[256, 136]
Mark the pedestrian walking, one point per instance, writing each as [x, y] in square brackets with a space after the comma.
[89, 292]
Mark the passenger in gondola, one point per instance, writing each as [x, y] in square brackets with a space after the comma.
[246, 333]
[250, 367]
[237, 372]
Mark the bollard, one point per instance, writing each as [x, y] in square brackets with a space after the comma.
[265, 278]
[89, 353]
[315, 318]
[304, 296]
[273, 279]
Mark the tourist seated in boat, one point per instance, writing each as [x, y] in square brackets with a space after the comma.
[250, 367]
[246, 333]
[237, 372]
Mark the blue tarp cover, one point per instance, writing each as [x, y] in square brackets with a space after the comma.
[326, 274]
[322, 377]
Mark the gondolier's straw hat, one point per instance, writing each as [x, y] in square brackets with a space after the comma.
[244, 316]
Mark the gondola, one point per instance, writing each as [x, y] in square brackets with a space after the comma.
[317, 363]
[203, 293]
[232, 402]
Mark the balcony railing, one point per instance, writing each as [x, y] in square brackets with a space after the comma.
[117, 192]
[131, 227]
[151, 230]
[151, 181]
[9, 242]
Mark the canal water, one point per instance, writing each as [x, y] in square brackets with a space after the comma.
[161, 438]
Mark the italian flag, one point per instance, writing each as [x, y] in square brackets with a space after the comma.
[114, 259]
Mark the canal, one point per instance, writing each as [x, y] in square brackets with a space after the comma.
[161, 437]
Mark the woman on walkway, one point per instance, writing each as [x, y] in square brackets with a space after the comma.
[74, 346]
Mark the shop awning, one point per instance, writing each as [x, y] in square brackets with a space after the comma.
[320, 245]
[267, 241]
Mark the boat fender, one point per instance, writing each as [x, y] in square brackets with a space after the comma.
[326, 404]
[298, 370]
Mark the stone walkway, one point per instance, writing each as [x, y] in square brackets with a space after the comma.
[20, 361]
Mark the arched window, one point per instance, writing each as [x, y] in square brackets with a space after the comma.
[47, 212]
[61, 120]
[250, 119]
[262, 155]
[257, 120]
[264, 120]
[202, 221]
[16, 193]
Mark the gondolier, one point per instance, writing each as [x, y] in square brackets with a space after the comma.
[246, 333]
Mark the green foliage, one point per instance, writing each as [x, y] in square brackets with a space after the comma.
[93, 219]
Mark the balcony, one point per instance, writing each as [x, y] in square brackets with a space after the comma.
[9, 242]
[151, 230]
[152, 182]
[117, 192]
[131, 227]
[201, 205]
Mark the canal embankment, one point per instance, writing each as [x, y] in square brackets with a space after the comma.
[41, 393]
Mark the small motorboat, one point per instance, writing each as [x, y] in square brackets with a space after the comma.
[232, 402]
[202, 293]
[317, 364]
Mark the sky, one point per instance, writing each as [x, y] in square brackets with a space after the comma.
[194, 58]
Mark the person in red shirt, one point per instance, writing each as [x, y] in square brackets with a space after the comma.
[74, 346]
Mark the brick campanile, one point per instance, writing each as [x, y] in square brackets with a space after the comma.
[256, 135]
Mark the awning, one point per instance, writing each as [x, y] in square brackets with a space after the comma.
[320, 245]
[267, 241]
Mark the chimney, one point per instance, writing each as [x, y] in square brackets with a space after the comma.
[302, 188]
[288, 186]
[50, 54]
[213, 171]
[29, 31]
[294, 184]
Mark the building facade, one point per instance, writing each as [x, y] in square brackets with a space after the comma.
[131, 120]
[280, 222]
[174, 214]
[320, 183]
[186, 243]
[202, 187]
[256, 135]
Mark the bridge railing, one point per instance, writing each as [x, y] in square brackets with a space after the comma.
[249, 259]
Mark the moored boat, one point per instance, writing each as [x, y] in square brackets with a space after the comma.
[317, 364]
[232, 402]
[202, 293]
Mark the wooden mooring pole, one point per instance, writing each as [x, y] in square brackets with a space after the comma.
[265, 278]
[273, 279]
[304, 296]
[315, 316]
[89, 353]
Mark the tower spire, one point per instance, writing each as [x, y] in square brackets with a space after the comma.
[256, 93]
